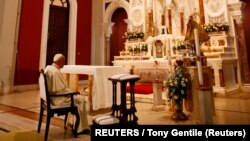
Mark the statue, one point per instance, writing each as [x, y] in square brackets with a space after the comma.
[203, 37]
[192, 24]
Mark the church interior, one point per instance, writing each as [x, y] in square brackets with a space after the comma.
[192, 60]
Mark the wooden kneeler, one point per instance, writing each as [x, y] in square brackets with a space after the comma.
[120, 113]
[105, 120]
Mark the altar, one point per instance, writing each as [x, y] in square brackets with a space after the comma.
[221, 56]
[148, 70]
[100, 88]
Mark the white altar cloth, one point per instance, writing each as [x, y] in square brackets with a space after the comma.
[102, 87]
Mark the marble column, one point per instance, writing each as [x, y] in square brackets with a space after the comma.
[182, 21]
[8, 43]
[162, 19]
[107, 51]
[202, 17]
[218, 74]
[107, 45]
[169, 21]
[150, 23]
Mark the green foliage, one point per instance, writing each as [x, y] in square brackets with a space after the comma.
[178, 83]
[134, 35]
[144, 47]
[216, 27]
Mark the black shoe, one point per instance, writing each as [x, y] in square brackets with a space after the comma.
[85, 131]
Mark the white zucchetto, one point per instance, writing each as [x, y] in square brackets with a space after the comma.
[57, 57]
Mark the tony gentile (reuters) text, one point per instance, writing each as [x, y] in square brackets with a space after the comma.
[164, 134]
[171, 132]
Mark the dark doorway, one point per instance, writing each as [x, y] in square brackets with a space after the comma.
[57, 32]
[119, 28]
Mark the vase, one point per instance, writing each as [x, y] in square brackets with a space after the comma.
[178, 111]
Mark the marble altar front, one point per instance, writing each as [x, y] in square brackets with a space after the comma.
[160, 69]
[148, 70]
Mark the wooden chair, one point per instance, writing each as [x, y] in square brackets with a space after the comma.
[46, 105]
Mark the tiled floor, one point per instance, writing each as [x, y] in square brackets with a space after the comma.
[19, 112]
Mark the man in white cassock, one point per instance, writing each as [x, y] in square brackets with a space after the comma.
[57, 84]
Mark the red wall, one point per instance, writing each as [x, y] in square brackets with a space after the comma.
[83, 39]
[119, 28]
[83, 36]
[27, 60]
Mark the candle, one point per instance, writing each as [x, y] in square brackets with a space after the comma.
[154, 12]
[198, 61]
[197, 44]
[169, 47]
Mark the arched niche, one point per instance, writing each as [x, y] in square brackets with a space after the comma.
[72, 33]
[110, 10]
[158, 49]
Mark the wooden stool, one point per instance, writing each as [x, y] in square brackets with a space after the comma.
[125, 113]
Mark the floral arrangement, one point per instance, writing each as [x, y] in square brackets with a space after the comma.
[136, 50]
[215, 27]
[144, 47]
[134, 35]
[180, 45]
[130, 49]
[178, 83]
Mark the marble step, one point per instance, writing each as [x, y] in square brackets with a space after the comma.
[217, 49]
[219, 54]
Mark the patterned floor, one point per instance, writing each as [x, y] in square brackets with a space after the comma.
[19, 115]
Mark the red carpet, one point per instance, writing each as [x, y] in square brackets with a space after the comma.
[141, 89]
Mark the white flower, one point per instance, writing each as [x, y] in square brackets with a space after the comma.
[183, 84]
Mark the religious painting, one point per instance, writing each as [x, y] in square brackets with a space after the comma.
[158, 49]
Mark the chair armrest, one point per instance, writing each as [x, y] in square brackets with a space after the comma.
[66, 94]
